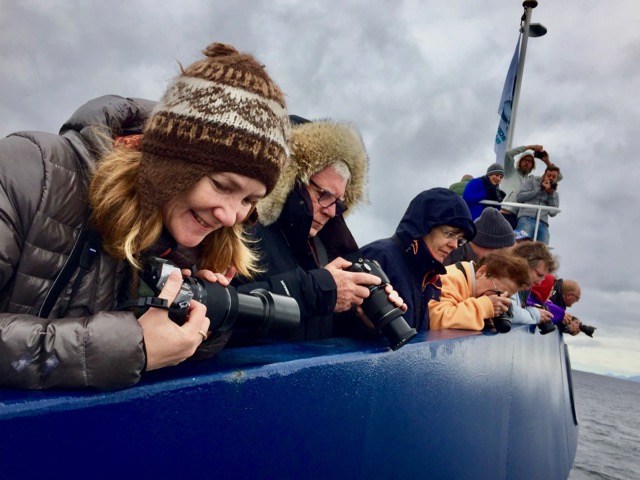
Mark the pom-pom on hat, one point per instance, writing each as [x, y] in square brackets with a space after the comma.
[493, 230]
[223, 113]
[495, 168]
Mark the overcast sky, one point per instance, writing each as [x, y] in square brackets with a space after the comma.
[421, 79]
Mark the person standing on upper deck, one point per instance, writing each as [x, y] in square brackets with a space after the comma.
[486, 187]
[516, 172]
[539, 192]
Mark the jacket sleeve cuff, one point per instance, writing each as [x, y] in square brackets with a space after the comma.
[104, 351]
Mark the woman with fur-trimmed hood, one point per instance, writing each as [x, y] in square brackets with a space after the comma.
[301, 235]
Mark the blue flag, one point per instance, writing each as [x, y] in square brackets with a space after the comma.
[504, 109]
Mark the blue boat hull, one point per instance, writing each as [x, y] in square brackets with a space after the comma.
[450, 405]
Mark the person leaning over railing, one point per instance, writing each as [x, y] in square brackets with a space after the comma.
[302, 236]
[212, 146]
[473, 294]
[435, 223]
[541, 263]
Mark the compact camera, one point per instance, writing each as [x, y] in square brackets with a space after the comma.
[260, 312]
[386, 318]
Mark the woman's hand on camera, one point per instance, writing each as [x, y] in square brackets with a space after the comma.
[213, 277]
[500, 304]
[167, 343]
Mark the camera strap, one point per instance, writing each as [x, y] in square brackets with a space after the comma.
[85, 249]
[144, 302]
[461, 268]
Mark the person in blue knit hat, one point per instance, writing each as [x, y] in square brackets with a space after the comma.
[486, 187]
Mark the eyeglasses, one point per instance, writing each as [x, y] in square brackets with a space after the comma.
[575, 296]
[539, 275]
[449, 234]
[496, 290]
[326, 199]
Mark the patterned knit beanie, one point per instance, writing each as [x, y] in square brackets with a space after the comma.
[493, 230]
[222, 114]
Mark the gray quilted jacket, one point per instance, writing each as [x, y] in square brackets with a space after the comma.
[43, 203]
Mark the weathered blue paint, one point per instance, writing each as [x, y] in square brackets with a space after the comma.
[450, 405]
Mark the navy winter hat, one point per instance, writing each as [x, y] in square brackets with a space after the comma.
[493, 230]
[495, 168]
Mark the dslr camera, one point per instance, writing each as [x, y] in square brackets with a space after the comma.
[502, 322]
[552, 186]
[540, 154]
[260, 312]
[586, 329]
[386, 318]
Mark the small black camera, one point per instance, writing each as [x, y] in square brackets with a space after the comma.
[502, 322]
[386, 318]
[260, 312]
[540, 154]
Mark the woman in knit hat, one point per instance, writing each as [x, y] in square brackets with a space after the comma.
[209, 150]
[486, 187]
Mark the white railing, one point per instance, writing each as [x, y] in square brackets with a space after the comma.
[539, 209]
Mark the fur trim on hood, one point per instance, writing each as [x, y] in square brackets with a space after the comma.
[315, 146]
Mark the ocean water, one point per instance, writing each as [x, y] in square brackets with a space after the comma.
[608, 412]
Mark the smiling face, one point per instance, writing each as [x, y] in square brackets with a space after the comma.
[219, 200]
[495, 178]
[330, 181]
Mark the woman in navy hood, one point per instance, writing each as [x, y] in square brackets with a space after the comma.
[435, 223]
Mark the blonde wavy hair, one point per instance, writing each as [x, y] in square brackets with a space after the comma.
[116, 215]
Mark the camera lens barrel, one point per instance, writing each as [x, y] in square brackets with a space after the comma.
[387, 318]
[264, 313]
[587, 329]
[260, 312]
